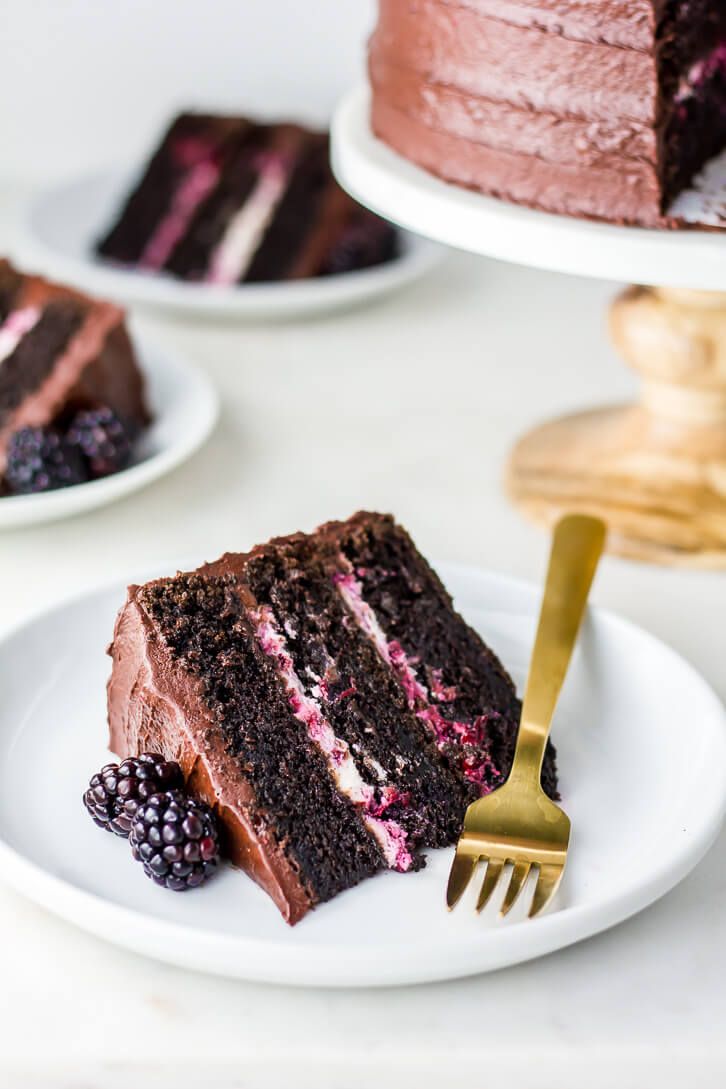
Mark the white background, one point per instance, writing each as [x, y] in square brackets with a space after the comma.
[89, 82]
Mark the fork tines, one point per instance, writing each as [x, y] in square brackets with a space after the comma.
[464, 865]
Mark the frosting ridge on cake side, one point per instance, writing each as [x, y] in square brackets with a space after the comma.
[571, 106]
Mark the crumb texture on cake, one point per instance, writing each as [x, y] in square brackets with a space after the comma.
[322, 693]
[601, 109]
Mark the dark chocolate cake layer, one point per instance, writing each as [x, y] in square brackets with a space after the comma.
[324, 696]
[182, 171]
[205, 627]
[225, 200]
[338, 670]
[603, 109]
[188, 256]
[452, 680]
[61, 351]
[35, 355]
[291, 225]
[252, 177]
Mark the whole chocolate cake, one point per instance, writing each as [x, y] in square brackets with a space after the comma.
[322, 694]
[60, 352]
[226, 200]
[597, 108]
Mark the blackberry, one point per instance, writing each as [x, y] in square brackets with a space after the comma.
[175, 839]
[40, 459]
[102, 439]
[115, 793]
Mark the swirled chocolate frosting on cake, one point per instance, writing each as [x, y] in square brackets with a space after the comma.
[597, 108]
[322, 693]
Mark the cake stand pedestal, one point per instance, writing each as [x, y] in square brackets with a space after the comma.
[656, 469]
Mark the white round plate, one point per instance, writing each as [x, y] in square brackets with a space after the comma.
[386, 182]
[642, 759]
[184, 405]
[63, 222]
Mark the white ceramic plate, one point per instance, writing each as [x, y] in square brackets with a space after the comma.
[184, 405]
[642, 756]
[63, 222]
[383, 180]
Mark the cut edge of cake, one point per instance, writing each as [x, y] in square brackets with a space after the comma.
[324, 696]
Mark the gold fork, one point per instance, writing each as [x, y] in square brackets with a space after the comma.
[518, 823]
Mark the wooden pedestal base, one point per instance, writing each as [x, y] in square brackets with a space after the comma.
[655, 471]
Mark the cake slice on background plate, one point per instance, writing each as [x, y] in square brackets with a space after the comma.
[323, 695]
[66, 364]
[226, 200]
[598, 108]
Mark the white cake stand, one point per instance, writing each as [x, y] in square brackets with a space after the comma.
[656, 470]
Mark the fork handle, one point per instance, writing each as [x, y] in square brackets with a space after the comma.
[577, 545]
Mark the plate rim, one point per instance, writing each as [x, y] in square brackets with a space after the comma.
[23, 511]
[405, 193]
[312, 295]
[210, 952]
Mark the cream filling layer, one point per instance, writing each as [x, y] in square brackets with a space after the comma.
[195, 186]
[476, 765]
[372, 801]
[14, 328]
[233, 253]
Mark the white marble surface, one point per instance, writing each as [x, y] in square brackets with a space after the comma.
[409, 406]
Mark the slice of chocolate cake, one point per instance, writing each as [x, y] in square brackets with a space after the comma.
[321, 693]
[61, 351]
[225, 200]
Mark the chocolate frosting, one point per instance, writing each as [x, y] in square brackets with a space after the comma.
[154, 705]
[626, 23]
[630, 194]
[454, 45]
